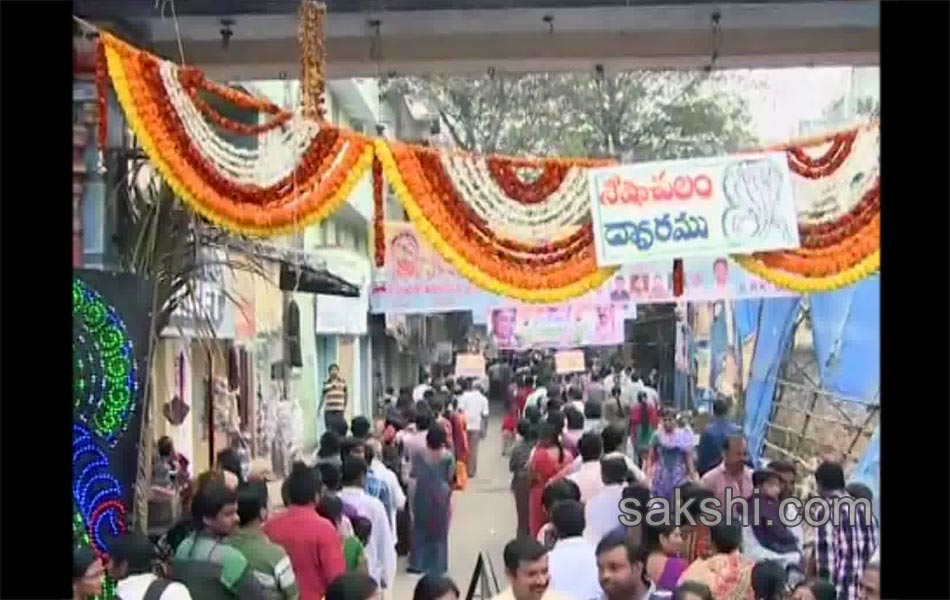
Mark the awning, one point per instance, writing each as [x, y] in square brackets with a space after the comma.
[302, 278]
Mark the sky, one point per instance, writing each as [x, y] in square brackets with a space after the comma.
[789, 96]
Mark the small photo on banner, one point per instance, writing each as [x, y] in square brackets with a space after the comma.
[556, 326]
[111, 320]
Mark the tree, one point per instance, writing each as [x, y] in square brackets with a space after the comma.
[641, 115]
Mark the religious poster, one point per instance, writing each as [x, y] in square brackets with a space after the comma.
[111, 319]
[695, 207]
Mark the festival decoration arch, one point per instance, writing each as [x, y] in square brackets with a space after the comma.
[518, 227]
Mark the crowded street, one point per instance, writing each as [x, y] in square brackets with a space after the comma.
[414, 303]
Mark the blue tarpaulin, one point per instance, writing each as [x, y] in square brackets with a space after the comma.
[868, 470]
[847, 336]
[774, 337]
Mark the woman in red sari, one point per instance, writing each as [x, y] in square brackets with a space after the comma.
[517, 398]
[548, 458]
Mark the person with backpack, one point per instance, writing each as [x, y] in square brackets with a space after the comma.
[132, 564]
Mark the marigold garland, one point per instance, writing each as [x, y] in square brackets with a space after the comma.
[332, 166]
[458, 202]
[102, 90]
[379, 217]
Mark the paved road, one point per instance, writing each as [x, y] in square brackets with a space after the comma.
[483, 518]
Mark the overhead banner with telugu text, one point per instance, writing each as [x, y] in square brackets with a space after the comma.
[696, 207]
[416, 279]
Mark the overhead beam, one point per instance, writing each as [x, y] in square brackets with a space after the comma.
[471, 41]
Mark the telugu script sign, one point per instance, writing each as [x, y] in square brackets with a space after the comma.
[707, 206]
[569, 361]
[469, 365]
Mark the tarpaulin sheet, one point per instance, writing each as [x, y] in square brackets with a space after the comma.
[868, 469]
[847, 337]
[774, 338]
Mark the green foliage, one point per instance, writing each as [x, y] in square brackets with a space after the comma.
[642, 115]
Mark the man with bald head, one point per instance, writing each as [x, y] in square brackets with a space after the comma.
[732, 473]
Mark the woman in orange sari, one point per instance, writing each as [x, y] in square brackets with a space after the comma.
[727, 573]
[547, 459]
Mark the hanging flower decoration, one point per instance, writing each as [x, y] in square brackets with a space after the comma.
[458, 204]
[837, 188]
[515, 226]
[301, 172]
[379, 216]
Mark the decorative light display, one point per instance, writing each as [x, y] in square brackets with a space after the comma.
[105, 382]
[97, 494]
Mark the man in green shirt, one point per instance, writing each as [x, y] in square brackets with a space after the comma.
[210, 568]
[269, 563]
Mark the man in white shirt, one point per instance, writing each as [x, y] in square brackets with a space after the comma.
[475, 406]
[526, 565]
[374, 450]
[588, 478]
[381, 547]
[572, 563]
[613, 440]
[602, 512]
[419, 391]
[131, 560]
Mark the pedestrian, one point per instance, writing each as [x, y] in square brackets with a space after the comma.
[768, 534]
[311, 541]
[555, 492]
[768, 580]
[709, 452]
[816, 590]
[843, 545]
[333, 401]
[88, 574]
[548, 459]
[526, 566]
[132, 566]
[639, 497]
[671, 458]
[621, 570]
[209, 567]
[373, 451]
[361, 428]
[732, 475]
[228, 463]
[727, 572]
[644, 420]
[602, 511]
[870, 584]
[516, 400]
[372, 484]
[434, 471]
[381, 546]
[425, 385]
[269, 562]
[574, 420]
[353, 586]
[572, 563]
[475, 406]
[329, 449]
[692, 590]
[664, 566]
[588, 478]
[697, 539]
[518, 467]
[436, 587]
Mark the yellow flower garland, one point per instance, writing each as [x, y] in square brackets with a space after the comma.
[120, 83]
[808, 285]
[469, 271]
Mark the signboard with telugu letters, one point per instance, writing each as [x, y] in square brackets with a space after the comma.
[469, 365]
[569, 361]
[696, 207]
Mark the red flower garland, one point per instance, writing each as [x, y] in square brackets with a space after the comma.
[833, 232]
[822, 166]
[503, 173]
[379, 230]
[102, 91]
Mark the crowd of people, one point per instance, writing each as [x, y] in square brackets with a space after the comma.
[582, 447]
[579, 450]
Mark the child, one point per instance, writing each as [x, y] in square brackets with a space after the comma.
[353, 546]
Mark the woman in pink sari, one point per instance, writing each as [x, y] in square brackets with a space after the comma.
[548, 458]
